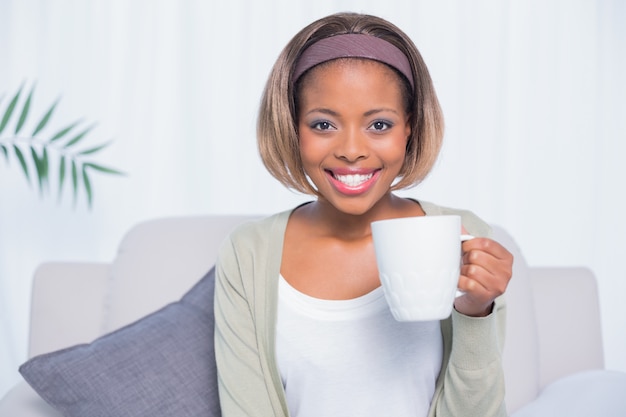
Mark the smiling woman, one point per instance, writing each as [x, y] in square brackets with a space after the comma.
[358, 128]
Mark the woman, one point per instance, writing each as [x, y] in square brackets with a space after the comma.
[349, 115]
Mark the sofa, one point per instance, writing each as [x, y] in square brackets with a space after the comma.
[553, 353]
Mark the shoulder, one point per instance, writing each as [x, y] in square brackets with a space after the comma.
[251, 250]
[474, 224]
[255, 236]
[260, 229]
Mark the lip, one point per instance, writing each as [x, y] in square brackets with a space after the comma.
[352, 181]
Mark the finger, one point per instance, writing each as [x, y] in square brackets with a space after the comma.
[481, 278]
[472, 286]
[487, 245]
[475, 278]
[502, 265]
[484, 259]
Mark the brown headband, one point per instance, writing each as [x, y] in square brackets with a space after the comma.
[353, 45]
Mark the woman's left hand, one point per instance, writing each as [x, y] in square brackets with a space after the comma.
[486, 270]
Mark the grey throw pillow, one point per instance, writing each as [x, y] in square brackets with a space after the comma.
[161, 365]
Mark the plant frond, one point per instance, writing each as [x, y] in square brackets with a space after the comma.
[63, 132]
[94, 149]
[38, 162]
[20, 157]
[25, 110]
[39, 151]
[46, 166]
[44, 120]
[87, 184]
[9, 111]
[79, 137]
[103, 168]
[61, 175]
[75, 181]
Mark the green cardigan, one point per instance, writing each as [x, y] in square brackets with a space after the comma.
[471, 381]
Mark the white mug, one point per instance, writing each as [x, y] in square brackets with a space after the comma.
[419, 260]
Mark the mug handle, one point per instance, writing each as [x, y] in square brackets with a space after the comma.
[464, 237]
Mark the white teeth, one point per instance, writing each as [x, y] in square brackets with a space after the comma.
[354, 179]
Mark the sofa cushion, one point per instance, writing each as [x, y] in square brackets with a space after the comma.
[153, 253]
[589, 393]
[161, 365]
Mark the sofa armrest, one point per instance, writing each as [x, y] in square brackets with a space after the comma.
[23, 401]
[68, 303]
[568, 321]
[583, 394]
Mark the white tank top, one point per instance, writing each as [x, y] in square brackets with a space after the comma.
[352, 358]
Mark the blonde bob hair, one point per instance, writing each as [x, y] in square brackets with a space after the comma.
[277, 123]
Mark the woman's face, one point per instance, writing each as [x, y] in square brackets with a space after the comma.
[353, 130]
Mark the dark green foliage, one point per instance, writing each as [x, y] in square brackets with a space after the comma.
[37, 152]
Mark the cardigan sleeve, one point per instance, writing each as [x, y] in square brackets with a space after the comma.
[242, 384]
[473, 380]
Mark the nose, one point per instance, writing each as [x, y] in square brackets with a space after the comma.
[351, 145]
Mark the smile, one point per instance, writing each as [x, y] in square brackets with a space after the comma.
[353, 180]
[353, 183]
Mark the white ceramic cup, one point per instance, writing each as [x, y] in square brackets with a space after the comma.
[419, 261]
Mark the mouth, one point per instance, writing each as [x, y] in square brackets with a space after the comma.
[353, 183]
[353, 180]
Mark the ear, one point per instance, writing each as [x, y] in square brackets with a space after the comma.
[407, 129]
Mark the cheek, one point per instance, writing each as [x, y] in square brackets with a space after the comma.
[308, 153]
[311, 148]
[394, 152]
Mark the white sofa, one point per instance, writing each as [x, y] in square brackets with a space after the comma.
[553, 348]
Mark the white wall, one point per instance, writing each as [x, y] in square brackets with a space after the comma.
[532, 91]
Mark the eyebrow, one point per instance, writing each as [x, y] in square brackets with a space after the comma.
[366, 114]
[323, 110]
[383, 109]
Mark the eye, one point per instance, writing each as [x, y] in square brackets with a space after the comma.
[381, 125]
[322, 125]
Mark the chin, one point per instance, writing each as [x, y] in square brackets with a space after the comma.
[354, 208]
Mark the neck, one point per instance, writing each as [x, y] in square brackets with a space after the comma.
[330, 221]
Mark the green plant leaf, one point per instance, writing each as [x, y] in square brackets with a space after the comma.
[45, 119]
[78, 137]
[46, 166]
[20, 157]
[63, 131]
[25, 110]
[61, 175]
[94, 149]
[37, 155]
[9, 110]
[87, 186]
[103, 168]
[38, 162]
[75, 180]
